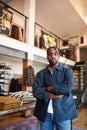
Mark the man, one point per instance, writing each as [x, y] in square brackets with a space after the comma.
[52, 88]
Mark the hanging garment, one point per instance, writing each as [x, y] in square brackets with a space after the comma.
[15, 85]
[29, 76]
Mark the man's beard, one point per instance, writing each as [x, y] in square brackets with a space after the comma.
[52, 63]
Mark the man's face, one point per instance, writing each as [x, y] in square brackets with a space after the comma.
[53, 56]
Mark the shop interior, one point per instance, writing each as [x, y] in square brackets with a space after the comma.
[27, 29]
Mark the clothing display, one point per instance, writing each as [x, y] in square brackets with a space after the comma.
[15, 85]
[29, 76]
[7, 102]
[5, 77]
[6, 17]
[46, 40]
[17, 33]
[24, 96]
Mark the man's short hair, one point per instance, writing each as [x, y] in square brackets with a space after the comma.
[54, 47]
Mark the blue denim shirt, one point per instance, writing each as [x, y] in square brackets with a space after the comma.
[62, 80]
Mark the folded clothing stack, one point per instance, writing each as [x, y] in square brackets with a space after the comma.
[76, 73]
[7, 102]
[25, 96]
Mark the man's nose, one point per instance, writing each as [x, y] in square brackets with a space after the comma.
[53, 55]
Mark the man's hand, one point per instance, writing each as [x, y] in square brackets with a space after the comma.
[49, 89]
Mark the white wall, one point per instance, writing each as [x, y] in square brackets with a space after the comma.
[19, 6]
[16, 5]
[37, 66]
[15, 63]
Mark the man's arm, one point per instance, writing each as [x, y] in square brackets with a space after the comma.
[51, 90]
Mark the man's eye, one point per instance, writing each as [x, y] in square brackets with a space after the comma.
[50, 54]
[56, 54]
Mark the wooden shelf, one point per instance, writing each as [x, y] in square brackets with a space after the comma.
[17, 110]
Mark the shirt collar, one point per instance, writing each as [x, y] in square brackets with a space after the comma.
[59, 68]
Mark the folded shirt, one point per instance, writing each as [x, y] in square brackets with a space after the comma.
[7, 102]
[24, 96]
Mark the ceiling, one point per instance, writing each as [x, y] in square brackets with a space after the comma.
[60, 17]
[64, 18]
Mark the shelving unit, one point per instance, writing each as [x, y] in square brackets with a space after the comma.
[80, 82]
[5, 75]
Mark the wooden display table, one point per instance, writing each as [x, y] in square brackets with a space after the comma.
[23, 109]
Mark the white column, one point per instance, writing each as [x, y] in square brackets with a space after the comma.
[30, 12]
[78, 54]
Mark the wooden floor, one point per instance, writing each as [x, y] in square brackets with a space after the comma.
[80, 122]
